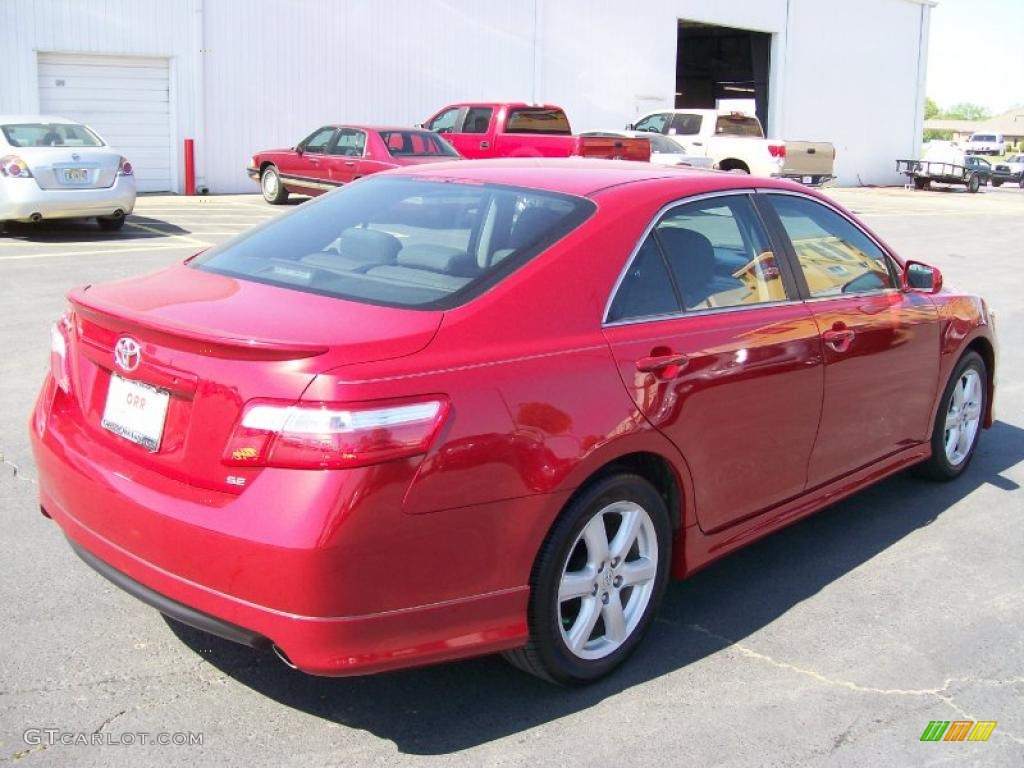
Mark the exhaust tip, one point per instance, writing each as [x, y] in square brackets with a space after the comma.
[36, 217]
[283, 657]
[118, 214]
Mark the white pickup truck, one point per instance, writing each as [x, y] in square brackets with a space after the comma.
[735, 142]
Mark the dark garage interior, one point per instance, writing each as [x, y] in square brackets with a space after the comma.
[715, 63]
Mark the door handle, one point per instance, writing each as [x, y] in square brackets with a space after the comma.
[350, 162]
[838, 339]
[485, 145]
[659, 363]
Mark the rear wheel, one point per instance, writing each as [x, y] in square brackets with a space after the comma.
[974, 183]
[273, 190]
[920, 183]
[597, 581]
[996, 183]
[958, 422]
[110, 223]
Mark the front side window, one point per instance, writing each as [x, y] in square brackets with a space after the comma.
[401, 241]
[836, 257]
[350, 143]
[445, 122]
[719, 254]
[537, 120]
[316, 142]
[654, 123]
[478, 120]
[50, 135]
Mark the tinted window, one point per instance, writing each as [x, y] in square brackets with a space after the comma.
[686, 124]
[719, 254]
[401, 241]
[50, 135]
[478, 120]
[646, 288]
[316, 143]
[836, 257]
[534, 120]
[445, 122]
[416, 144]
[662, 146]
[350, 143]
[983, 137]
[654, 123]
[738, 125]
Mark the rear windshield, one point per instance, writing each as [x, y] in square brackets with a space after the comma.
[399, 241]
[536, 120]
[738, 125]
[983, 137]
[50, 135]
[416, 144]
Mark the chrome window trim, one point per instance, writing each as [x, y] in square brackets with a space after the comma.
[893, 261]
[606, 323]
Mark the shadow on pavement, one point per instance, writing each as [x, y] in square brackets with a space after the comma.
[85, 231]
[443, 709]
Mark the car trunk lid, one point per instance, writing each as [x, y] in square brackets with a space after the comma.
[70, 168]
[198, 347]
[809, 158]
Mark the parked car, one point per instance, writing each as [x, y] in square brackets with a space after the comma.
[664, 151]
[1010, 170]
[985, 144]
[509, 129]
[53, 168]
[473, 407]
[338, 154]
[736, 142]
[980, 166]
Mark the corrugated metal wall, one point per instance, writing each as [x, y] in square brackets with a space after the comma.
[252, 74]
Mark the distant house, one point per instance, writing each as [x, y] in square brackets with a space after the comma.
[1010, 124]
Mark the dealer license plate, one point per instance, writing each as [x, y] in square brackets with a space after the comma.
[807, 179]
[136, 411]
[76, 175]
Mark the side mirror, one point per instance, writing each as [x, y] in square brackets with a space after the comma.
[921, 277]
[630, 126]
[300, 147]
[418, 125]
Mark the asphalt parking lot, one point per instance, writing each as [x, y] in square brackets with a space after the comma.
[835, 641]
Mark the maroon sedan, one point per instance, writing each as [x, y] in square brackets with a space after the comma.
[337, 154]
[494, 406]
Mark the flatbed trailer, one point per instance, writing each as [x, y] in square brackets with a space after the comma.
[923, 172]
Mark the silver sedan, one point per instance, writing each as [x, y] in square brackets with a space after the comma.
[52, 168]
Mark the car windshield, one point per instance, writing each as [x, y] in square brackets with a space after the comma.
[400, 241]
[983, 137]
[416, 144]
[50, 135]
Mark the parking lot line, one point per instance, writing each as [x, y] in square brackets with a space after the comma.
[108, 251]
[180, 238]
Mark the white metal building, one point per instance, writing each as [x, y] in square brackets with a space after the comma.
[243, 75]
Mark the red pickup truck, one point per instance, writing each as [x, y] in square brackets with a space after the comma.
[503, 129]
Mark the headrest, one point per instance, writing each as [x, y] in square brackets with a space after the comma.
[369, 245]
[690, 254]
[439, 258]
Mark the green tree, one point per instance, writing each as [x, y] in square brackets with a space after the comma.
[931, 109]
[967, 111]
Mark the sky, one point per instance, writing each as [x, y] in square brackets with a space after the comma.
[976, 53]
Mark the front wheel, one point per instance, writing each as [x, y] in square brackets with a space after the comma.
[597, 581]
[273, 190]
[974, 183]
[958, 422]
[996, 183]
[920, 183]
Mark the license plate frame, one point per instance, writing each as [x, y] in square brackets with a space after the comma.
[807, 179]
[136, 412]
[75, 175]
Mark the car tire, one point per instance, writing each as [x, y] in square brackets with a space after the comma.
[585, 569]
[922, 184]
[974, 183]
[110, 223]
[271, 186]
[957, 425]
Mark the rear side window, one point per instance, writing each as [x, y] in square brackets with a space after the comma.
[646, 288]
[686, 124]
[401, 241]
[536, 120]
[50, 135]
[416, 144]
[835, 256]
[478, 120]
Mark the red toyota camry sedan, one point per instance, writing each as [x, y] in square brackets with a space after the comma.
[494, 406]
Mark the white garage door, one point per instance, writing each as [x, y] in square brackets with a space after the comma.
[123, 98]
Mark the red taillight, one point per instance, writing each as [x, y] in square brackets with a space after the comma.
[59, 367]
[125, 168]
[13, 166]
[777, 150]
[333, 435]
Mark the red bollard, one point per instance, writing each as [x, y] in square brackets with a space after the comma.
[190, 168]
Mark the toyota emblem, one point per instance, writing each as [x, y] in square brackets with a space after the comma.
[127, 353]
[75, 156]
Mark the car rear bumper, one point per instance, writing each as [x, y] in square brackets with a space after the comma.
[809, 180]
[21, 199]
[1007, 178]
[265, 586]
